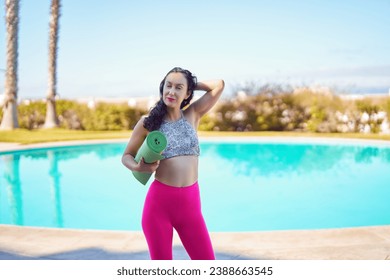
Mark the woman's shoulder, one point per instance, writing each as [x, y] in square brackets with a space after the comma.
[142, 119]
[140, 128]
[140, 122]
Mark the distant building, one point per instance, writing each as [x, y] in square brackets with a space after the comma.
[314, 89]
[135, 102]
[363, 95]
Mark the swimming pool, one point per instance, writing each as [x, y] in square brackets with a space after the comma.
[245, 186]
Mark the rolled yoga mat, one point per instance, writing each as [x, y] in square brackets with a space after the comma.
[150, 151]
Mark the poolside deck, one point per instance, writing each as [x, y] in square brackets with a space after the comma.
[365, 243]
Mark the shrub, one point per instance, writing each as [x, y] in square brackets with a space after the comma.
[279, 109]
[268, 107]
[111, 117]
[31, 115]
[74, 115]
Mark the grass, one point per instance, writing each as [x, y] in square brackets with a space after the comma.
[24, 136]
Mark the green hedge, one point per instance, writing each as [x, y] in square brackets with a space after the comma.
[266, 110]
[74, 115]
[303, 111]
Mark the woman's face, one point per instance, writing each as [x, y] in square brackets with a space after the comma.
[175, 90]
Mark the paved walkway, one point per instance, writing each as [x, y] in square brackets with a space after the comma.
[365, 243]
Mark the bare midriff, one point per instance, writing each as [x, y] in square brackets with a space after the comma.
[178, 171]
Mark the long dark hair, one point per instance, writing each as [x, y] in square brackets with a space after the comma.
[158, 112]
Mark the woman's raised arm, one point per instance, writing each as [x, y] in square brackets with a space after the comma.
[213, 90]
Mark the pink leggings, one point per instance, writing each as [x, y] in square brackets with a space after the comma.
[168, 207]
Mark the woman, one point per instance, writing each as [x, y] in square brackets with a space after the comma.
[173, 199]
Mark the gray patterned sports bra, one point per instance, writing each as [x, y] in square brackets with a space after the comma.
[182, 138]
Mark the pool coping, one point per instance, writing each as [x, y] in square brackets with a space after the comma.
[11, 146]
[362, 243]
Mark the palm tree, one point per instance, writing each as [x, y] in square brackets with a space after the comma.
[51, 115]
[10, 110]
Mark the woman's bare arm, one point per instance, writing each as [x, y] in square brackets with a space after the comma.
[204, 104]
[137, 138]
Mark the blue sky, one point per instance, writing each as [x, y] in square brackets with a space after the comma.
[124, 48]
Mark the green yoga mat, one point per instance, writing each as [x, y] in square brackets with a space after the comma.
[150, 151]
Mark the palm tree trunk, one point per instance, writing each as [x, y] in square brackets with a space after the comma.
[10, 112]
[51, 115]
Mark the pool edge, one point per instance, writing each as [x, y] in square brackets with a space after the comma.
[7, 146]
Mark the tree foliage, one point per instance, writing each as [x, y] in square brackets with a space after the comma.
[265, 109]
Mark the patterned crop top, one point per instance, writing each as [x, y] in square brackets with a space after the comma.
[182, 138]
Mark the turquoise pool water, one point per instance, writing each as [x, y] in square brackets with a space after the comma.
[244, 186]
